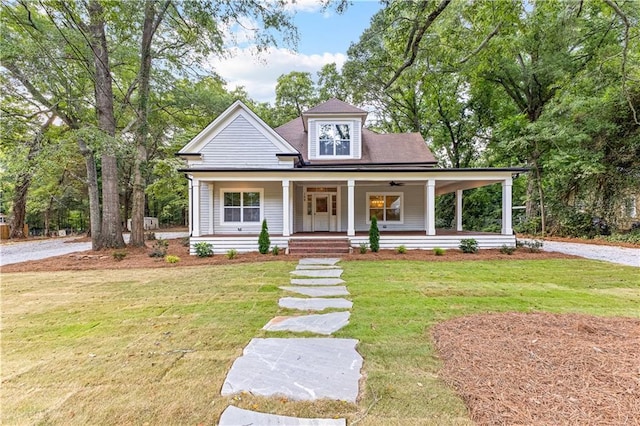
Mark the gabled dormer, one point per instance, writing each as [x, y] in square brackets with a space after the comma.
[334, 131]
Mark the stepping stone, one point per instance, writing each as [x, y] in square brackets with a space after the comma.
[323, 273]
[314, 304]
[318, 291]
[300, 369]
[319, 261]
[315, 267]
[318, 323]
[234, 416]
[317, 281]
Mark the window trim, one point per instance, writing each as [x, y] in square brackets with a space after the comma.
[335, 122]
[241, 191]
[385, 193]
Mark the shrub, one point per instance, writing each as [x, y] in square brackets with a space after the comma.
[438, 251]
[119, 255]
[275, 250]
[263, 240]
[203, 249]
[505, 249]
[232, 253]
[469, 245]
[171, 259]
[150, 236]
[374, 235]
[363, 248]
[159, 248]
[534, 246]
[184, 241]
[401, 249]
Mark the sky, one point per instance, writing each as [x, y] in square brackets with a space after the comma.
[324, 37]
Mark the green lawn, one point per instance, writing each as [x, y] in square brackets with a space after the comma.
[154, 346]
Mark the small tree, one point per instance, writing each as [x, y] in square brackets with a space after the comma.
[374, 235]
[263, 241]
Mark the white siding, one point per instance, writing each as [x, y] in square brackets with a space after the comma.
[205, 210]
[299, 212]
[240, 145]
[271, 203]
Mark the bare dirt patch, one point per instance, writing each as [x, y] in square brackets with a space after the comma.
[139, 258]
[542, 368]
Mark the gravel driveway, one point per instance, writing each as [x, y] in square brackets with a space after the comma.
[622, 255]
[40, 249]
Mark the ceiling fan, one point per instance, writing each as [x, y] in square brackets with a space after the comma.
[394, 183]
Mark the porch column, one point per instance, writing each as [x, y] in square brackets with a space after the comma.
[430, 208]
[195, 205]
[291, 212]
[351, 223]
[285, 208]
[459, 210]
[506, 206]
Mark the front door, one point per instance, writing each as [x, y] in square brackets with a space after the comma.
[321, 212]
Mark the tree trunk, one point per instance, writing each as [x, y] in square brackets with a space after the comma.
[150, 25]
[19, 211]
[138, 198]
[95, 218]
[111, 230]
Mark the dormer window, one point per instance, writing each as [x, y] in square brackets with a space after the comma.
[334, 139]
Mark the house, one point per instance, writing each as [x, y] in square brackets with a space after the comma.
[321, 177]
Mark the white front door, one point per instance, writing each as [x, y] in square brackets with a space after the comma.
[321, 212]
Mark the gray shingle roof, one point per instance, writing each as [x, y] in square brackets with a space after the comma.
[390, 148]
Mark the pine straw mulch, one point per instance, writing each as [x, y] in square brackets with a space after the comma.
[139, 258]
[542, 368]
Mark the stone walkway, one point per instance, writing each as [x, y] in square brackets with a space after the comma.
[304, 369]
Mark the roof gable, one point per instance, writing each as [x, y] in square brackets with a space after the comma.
[226, 119]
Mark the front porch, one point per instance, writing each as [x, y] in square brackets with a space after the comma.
[412, 240]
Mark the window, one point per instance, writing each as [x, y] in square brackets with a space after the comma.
[241, 206]
[334, 139]
[386, 207]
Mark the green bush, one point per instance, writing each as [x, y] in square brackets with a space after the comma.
[363, 248]
[275, 250]
[401, 249]
[203, 249]
[534, 246]
[505, 249]
[119, 255]
[263, 240]
[469, 245]
[529, 226]
[232, 253]
[159, 248]
[171, 259]
[374, 235]
[438, 251]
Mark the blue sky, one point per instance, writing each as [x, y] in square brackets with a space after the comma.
[324, 38]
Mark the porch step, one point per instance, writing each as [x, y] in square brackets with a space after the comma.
[320, 247]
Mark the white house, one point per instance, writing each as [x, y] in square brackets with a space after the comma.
[321, 177]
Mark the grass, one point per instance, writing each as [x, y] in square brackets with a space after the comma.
[154, 346]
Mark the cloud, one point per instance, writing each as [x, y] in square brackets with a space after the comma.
[258, 73]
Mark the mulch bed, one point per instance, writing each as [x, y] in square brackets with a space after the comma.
[542, 368]
[139, 258]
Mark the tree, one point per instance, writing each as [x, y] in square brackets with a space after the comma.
[92, 36]
[295, 93]
[263, 239]
[374, 235]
